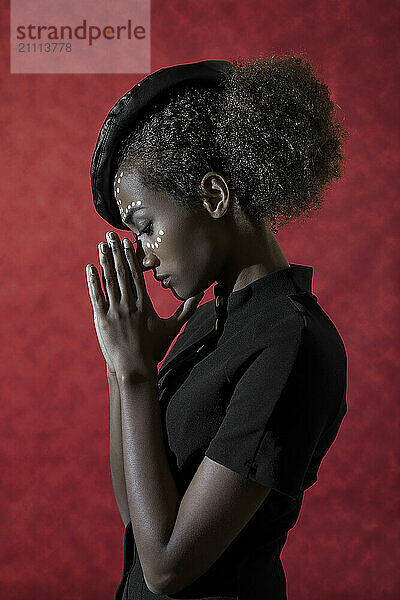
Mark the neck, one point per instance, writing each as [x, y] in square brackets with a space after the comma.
[255, 253]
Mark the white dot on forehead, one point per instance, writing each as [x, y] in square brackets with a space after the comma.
[117, 190]
[119, 180]
[158, 239]
[148, 245]
[161, 232]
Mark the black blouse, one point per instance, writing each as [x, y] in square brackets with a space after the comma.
[256, 381]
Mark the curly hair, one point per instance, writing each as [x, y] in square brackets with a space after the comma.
[271, 131]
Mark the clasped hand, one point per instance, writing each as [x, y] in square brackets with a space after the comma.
[132, 336]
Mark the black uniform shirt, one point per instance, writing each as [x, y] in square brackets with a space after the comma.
[256, 381]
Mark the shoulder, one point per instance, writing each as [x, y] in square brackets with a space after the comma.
[276, 332]
[269, 324]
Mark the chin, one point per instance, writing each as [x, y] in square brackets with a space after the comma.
[182, 296]
[175, 293]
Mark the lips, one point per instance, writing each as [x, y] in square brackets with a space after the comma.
[160, 277]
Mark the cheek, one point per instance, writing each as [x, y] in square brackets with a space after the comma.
[158, 239]
[190, 246]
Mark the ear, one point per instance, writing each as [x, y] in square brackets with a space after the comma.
[215, 192]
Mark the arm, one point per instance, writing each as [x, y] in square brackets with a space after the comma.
[116, 456]
[177, 539]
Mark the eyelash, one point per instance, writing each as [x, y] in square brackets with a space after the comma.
[148, 230]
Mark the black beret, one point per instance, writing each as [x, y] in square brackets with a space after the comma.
[123, 115]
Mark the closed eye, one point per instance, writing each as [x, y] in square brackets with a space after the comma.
[148, 230]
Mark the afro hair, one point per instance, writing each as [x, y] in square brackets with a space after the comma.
[270, 130]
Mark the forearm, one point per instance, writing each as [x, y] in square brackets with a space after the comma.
[116, 451]
[153, 497]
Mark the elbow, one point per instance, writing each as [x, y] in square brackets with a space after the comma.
[167, 578]
[173, 579]
[172, 582]
[163, 584]
[159, 579]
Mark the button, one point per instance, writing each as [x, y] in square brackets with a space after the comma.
[216, 324]
[217, 301]
[201, 347]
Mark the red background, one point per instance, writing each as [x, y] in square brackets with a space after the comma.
[61, 531]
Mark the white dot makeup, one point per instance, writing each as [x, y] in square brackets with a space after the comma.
[123, 212]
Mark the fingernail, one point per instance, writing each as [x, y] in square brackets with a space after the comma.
[125, 242]
[104, 247]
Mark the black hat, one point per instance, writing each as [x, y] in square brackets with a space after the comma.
[121, 120]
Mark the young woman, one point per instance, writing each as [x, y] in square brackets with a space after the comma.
[211, 454]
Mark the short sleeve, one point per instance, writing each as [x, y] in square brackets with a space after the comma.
[271, 427]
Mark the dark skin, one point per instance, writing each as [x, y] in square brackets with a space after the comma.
[216, 243]
[178, 538]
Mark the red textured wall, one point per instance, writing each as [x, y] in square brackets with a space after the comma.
[60, 528]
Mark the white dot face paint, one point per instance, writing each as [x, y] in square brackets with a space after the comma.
[123, 212]
[159, 240]
[156, 244]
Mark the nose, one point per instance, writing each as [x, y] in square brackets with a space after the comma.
[147, 261]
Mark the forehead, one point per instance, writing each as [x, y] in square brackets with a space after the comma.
[128, 186]
[131, 193]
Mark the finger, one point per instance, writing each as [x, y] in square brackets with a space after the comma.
[186, 309]
[140, 257]
[136, 271]
[111, 282]
[122, 269]
[103, 279]
[95, 291]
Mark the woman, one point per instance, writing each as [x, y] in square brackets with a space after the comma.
[211, 455]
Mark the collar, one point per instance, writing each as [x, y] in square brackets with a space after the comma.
[255, 295]
[292, 279]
